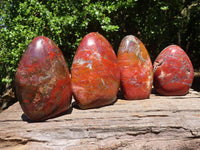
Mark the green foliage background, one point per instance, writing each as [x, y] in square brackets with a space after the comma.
[157, 23]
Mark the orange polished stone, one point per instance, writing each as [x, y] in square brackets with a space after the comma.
[95, 72]
[173, 72]
[43, 86]
[135, 69]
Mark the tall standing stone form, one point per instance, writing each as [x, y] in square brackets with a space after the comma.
[43, 85]
[173, 72]
[95, 72]
[135, 69]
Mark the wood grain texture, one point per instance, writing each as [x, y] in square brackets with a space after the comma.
[160, 122]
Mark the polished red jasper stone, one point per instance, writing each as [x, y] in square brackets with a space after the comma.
[135, 69]
[95, 72]
[43, 85]
[173, 72]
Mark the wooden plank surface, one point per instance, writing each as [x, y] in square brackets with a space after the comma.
[160, 122]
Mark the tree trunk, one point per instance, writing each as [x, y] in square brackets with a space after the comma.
[160, 122]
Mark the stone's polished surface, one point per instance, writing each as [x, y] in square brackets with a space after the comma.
[135, 68]
[43, 86]
[95, 72]
[173, 72]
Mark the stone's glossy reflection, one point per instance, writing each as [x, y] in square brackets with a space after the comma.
[173, 72]
[95, 72]
[135, 68]
[43, 86]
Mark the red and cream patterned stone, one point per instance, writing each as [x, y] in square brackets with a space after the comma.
[173, 72]
[95, 72]
[135, 68]
[43, 85]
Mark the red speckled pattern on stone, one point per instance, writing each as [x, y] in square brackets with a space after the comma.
[135, 69]
[95, 72]
[173, 72]
[43, 86]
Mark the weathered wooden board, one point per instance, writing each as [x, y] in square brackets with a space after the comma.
[160, 122]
